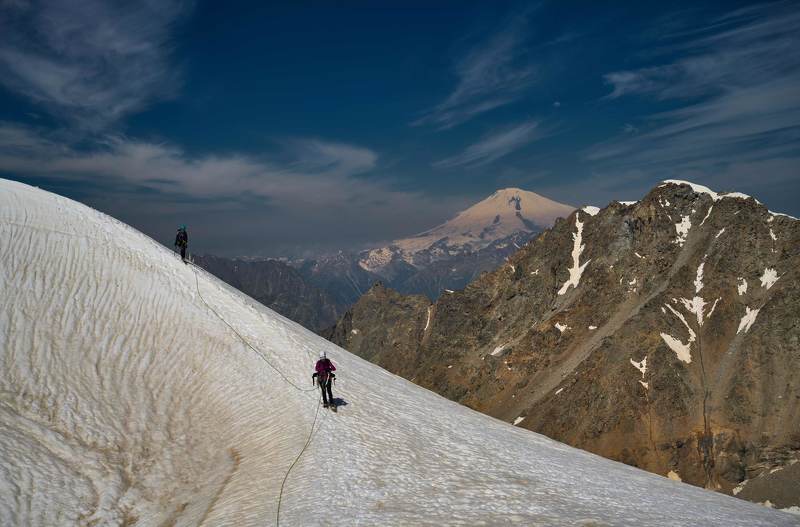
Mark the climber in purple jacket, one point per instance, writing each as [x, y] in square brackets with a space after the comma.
[324, 376]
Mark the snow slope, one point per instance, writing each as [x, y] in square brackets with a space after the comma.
[127, 400]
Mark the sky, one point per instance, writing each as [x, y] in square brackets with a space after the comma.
[289, 129]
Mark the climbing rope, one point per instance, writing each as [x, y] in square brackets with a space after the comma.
[246, 342]
[264, 358]
[308, 441]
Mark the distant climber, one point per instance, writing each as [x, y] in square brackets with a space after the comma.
[182, 241]
[324, 376]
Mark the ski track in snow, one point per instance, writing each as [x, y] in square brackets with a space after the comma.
[126, 399]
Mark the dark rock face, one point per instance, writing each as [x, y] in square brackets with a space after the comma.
[397, 344]
[664, 334]
[338, 274]
[456, 270]
[277, 286]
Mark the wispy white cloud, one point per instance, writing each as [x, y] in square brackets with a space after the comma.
[495, 73]
[494, 146]
[89, 61]
[738, 84]
[311, 193]
[310, 163]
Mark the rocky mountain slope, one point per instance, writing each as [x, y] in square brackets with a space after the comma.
[140, 391]
[663, 333]
[277, 286]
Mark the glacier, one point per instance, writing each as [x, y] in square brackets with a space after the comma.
[137, 390]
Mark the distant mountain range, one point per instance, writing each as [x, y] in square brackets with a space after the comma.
[446, 257]
[663, 333]
[278, 286]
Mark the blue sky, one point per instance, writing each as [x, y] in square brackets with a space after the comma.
[281, 129]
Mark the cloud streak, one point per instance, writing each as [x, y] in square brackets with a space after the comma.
[494, 146]
[313, 163]
[738, 87]
[493, 74]
[86, 61]
[313, 194]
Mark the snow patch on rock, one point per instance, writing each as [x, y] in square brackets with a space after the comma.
[698, 281]
[775, 214]
[641, 365]
[769, 277]
[591, 210]
[740, 487]
[747, 320]
[518, 420]
[682, 228]
[561, 327]
[707, 215]
[701, 189]
[498, 350]
[576, 270]
[741, 286]
[681, 349]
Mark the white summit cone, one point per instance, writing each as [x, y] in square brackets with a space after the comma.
[502, 214]
[126, 401]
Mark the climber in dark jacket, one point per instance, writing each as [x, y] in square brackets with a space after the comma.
[324, 375]
[182, 241]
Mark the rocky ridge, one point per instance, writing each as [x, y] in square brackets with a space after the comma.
[663, 333]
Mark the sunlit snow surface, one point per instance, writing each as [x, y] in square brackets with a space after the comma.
[125, 400]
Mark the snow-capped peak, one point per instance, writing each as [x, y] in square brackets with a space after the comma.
[505, 212]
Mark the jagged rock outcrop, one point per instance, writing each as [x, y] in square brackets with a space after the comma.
[396, 325]
[339, 274]
[663, 333]
[277, 286]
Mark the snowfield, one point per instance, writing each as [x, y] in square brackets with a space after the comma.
[126, 400]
